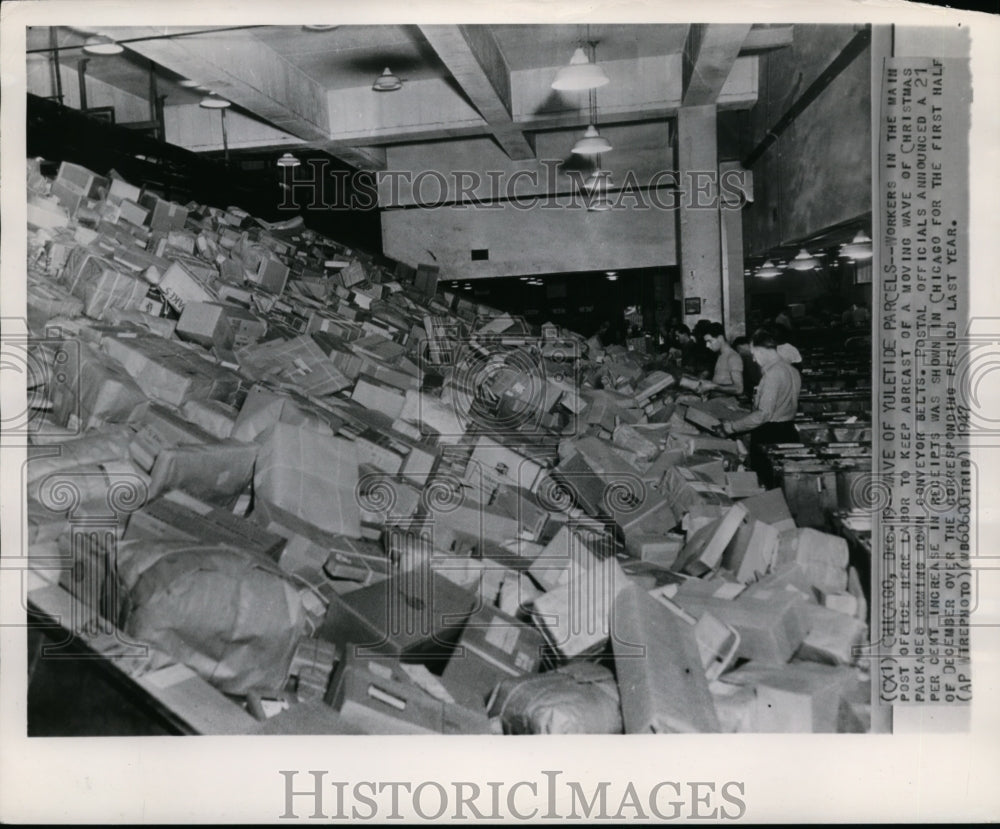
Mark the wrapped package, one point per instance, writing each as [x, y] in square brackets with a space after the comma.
[580, 698]
[310, 476]
[97, 446]
[229, 615]
[96, 389]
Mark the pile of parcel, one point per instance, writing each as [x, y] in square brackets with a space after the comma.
[341, 495]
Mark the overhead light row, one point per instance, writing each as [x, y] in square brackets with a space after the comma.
[859, 249]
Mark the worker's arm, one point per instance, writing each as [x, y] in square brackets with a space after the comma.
[735, 384]
[764, 407]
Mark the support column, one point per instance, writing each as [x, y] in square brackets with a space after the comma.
[699, 224]
[734, 304]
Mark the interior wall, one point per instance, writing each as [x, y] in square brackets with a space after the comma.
[533, 241]
[818, 172]
[40, 81]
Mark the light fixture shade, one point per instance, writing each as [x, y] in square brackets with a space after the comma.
[187, 83]
[288, 160]
[387, 82]
[320, 27]
[597, 180]
[592, 143]
[101, 45]
[860, 247]
[804, 261]
[599, 203]
[767, 270]
[213, 101]
[580, 74]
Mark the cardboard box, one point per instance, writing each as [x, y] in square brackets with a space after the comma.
[120, 190]
[687, 488]
[299, 361]
[214, 472]
[770, 628]
[570, 544]
[771, 508]
[97, 389]
[499, 465]
[821, 558]
[109, 443]
[166, 215]
[797, 698]
[658, 668]
[751, 552]
[576, 614]
[129, 211]
[179, 286]
[832, 635]
[168, 371]
[599, 477]
[493, 646]
[205, 323]
[176, 515]
[355, 559]
[271, 275]
[215, 417]
[376, 696]
[311, 476]
[705, 548]
[655, 548]
[654, 515]
[416, 614]
[378, 396]
[743, 484]
[74, 184]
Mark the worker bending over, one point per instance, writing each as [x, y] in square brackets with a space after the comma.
[774, 406]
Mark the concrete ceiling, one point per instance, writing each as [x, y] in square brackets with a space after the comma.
[302, 87]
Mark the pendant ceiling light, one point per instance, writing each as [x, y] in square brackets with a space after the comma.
[580, 74]
[599, 204]
[213, 101]
[101, 45]
[860, 247]
[387, 82]
[288, 160]
[592, 142]
[324, 27]
[187, 83]
[767, 270]
[804, 261]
